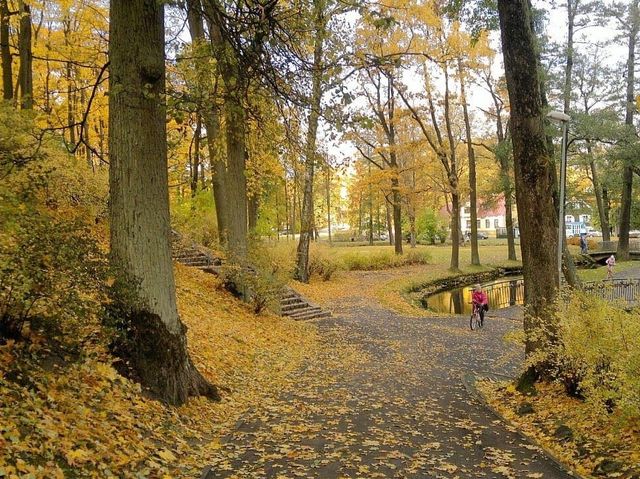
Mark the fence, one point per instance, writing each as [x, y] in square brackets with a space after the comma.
[511, 292]
[627, 290]
[505, 293]
[634, 245]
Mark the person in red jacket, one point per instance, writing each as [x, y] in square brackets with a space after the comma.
[480, 300]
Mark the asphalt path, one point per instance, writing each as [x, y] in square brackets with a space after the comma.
[386, 398]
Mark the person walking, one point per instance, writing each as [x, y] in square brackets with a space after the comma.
[611, 262]
[583, 243]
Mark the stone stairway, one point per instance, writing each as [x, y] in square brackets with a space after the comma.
[292, 303]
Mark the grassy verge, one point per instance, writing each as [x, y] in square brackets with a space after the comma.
[78, 418]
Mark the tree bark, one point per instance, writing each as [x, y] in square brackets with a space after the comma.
[307, 214]
[5, 52]
[390, 228]
[627, 171]
[155, 346]
[234, 203]
[328, 192]
[597, 188]
[534, 173]
[195, 166]
[25, 76]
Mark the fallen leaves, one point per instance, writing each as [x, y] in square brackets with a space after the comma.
[595, 440]
[84, 416]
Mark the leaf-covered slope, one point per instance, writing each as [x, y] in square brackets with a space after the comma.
[81, 419]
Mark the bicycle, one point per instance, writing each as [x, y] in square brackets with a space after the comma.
[475, 321]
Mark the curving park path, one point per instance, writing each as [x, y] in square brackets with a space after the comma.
[386, 399]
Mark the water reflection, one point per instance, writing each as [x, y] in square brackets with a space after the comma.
[501, 293]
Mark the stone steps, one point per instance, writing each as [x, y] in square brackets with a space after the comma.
[292, 304]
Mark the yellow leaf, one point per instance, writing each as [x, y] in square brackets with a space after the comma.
[166, 455]
[77, 456]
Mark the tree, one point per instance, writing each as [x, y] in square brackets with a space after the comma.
[534, 173]
[503, 154]
[5, 52]
[155, 342]
[25, 74]
[307, 213]
[632, 24]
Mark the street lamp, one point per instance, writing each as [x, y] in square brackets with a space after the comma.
[564, 118]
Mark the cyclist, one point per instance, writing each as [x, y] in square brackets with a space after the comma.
[611, 262]
[480, 301]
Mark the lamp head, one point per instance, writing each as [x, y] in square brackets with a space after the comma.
[558, 115]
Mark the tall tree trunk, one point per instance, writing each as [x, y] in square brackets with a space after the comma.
[397, 213]
[370, 208]
[627, 172]
[210, 114]
[195, 166]
[26, 57]
[306, 215]
[156, 346]
[502, 155]
[328, 192]
[597, 188]
[475, 254]
[395, 178]
[5, 52]
[534, 172]
[254, 209]
[455, 230]
[569, 266]
[236, 181]
[389, 222]
[452, 177]
[508, 211]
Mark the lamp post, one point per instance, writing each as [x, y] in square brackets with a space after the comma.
[564, 118]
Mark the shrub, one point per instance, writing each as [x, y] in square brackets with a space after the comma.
[597, 356]
[52, 271]
[416, 256]
[196, 217]
[322, 265]
[376, 260]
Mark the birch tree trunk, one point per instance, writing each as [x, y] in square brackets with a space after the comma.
[156, 345]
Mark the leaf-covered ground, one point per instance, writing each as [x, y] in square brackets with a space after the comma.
[387, 400]
[594, 445]
[64, 417]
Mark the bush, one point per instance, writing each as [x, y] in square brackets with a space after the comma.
[598, 354]
[431, 227]
[322, 265]
[52, 271]
[196, 217]
[377, 260]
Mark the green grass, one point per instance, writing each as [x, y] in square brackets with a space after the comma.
[600, 273]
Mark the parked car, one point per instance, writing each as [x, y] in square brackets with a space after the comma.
[634, 234]
[481, 235]
[594, 234]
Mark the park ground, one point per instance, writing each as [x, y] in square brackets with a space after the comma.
[380, 389]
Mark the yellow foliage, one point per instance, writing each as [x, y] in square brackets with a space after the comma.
[86, 417]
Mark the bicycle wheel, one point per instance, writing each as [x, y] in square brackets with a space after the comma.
[473, 321]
